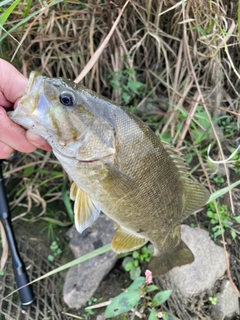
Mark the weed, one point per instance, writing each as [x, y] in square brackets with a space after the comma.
[136, 297]
[125, 82]
[213, 300]
[200, 125]
[132, 263]
[226, 219]
[88, 311]
[228, 125]
[219, 180]
[236, 160]
[56, 251]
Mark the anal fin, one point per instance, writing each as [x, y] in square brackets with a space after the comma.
[85, 210]
[124, 241]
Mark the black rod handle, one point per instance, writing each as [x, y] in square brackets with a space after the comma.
[26, 293]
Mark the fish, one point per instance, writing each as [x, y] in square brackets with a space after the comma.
[118, 165]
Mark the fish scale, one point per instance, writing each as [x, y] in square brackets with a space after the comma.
[118, 165]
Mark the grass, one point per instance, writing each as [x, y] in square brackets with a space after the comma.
[175, 65]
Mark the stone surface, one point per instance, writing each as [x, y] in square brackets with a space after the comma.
[83, 279]
[227, 302]
[209, 264]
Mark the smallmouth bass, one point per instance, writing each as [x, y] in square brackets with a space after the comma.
[118, 165]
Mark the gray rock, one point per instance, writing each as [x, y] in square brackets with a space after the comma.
[83, 279]
[227, 302]
[209, 264]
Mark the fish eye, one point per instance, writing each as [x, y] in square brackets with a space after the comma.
[67, 99]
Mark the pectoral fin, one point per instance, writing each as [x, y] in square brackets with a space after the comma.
[85, 210]
[124, 241]
[117, 183]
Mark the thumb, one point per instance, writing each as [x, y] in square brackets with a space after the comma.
[37, 141]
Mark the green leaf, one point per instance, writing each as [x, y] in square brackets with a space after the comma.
[126, 260]
[210, 214]
[161, 297]
[221, 192]
[237, 218]
[151, 288]
[122, 303]
[135, 273]
[153, 314]
[126, 97]
[128, 266]
[233, 234]
[136, 284]
[135, 85]
[7, 12]
[50, 258]
[135, 263]
[135, 254]
[28, 171]
[168, 316]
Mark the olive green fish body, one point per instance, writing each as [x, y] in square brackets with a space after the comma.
[118, 165]
[145, 182]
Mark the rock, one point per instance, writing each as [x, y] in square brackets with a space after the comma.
[209, 264]
[83, 279]
[227, 302]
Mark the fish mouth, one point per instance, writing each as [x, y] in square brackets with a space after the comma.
[32, 79]
[28, 103]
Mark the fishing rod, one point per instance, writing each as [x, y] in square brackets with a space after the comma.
[26, 293]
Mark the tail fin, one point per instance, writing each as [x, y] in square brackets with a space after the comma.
[179, 256]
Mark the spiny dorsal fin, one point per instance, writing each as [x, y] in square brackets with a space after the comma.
[195, 196]
[85, 210]
[124, 241]
[177, 157]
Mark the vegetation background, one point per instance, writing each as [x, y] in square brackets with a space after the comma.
[173, 63]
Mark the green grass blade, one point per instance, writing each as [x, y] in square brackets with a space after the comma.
[23, 21]
[4, 16]
[72, 263]
[2, 3]
[221, 192]
[67, 202]
[28, 6]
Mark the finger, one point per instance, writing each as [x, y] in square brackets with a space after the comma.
[38, 141]
[13, 135]
[8, 76]
[5, 151]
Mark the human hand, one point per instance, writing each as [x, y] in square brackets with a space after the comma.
[12, 136]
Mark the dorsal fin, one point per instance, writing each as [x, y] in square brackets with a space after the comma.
[124, 241]
[195, 196]
[177, 158]
[85, 210]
